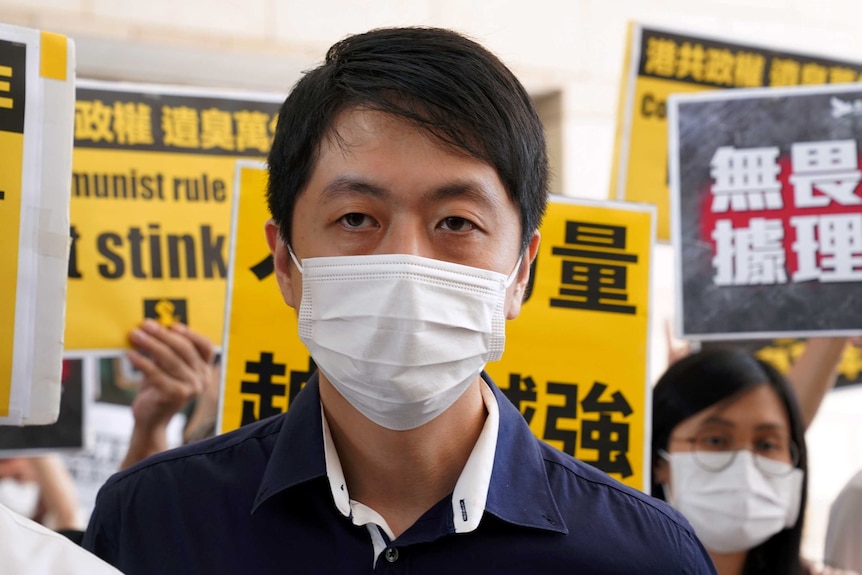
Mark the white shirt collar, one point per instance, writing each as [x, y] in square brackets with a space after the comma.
[468, 497]
[471, 490]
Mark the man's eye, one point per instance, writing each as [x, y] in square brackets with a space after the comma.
[354, 220]
[456, 224]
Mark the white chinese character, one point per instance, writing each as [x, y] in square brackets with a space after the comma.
[831, 166]
[837, 239]
[749, 256]
[745, 179]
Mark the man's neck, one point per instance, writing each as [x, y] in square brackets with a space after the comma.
[402, 474]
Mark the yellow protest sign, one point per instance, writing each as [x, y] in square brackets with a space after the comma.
[661, 62]
[264, 364]
[151, 198]
[576, 358]
[36, 96]
[12, 94]
[575, 361]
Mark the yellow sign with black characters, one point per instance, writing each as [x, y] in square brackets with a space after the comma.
[264, 365]
[151, 198]
[13, 78]
[575, 361]
[36, 97]
[662, 62]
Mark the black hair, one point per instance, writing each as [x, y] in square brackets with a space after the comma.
[443, 83]
[707, 378]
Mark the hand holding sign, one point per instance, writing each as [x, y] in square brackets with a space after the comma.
[177, 367]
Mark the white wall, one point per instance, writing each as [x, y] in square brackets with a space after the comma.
[574, 47]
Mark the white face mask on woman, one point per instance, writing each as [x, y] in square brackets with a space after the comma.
[401, 337]
[22, 497]
[739, 507]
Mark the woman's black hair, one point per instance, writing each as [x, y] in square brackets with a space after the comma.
[704, 379]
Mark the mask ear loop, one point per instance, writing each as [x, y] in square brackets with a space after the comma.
[668, 496]
[665, 488]
[511, 278]
[293, 257]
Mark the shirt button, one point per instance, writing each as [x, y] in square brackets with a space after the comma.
[391, 554]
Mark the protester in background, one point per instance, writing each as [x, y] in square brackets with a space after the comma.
[19, 490]
[40, 488]
[728, 451]
[177, 368]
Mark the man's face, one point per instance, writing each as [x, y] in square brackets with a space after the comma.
[380, 186]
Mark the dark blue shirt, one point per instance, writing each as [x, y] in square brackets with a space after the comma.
[257, 500]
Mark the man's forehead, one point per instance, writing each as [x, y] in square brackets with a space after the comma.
[350, 125]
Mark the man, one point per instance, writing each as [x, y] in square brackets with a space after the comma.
[408, 178]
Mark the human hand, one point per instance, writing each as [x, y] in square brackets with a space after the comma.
[177, 368]
[177, 365]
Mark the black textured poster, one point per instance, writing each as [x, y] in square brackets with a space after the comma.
[767, 208]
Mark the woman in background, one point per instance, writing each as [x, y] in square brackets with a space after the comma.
[728, 452]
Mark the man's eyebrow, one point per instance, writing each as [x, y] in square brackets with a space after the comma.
[470, 190]
[349, 185]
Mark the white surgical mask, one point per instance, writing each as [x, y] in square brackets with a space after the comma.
[401, 337]
[739, 507]
[22, 497]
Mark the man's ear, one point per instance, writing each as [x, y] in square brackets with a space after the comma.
[519, 287]
[281, 262]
